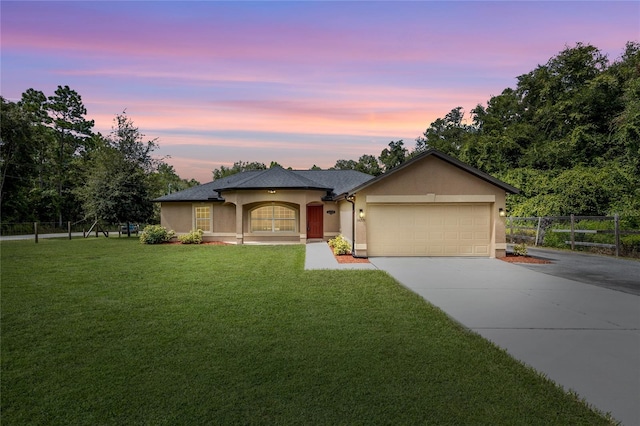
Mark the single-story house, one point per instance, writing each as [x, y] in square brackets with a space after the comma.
[431, 205]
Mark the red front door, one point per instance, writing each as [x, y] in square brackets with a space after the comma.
[314, 222]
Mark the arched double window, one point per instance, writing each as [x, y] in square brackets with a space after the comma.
[273, 218]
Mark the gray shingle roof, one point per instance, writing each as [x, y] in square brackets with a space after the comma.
[275, 177]
[335, 182]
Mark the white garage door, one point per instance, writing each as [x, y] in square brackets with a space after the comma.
[428, 230]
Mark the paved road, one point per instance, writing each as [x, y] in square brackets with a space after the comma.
[603, 271]
[32, 237]
[582, 336]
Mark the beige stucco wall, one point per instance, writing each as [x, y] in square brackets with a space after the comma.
[345, 220]
[331, 222]
[179, 217]
[231, 217]
[431, 180]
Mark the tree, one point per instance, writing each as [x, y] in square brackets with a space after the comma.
[35, 104]
[626, 123]
[73, 131]
[164, 180]
[238, 166]
[445, 134]
[117, 187]
[369, 164]
[550, 93]
[16, 162]
[393, 156]
[345, 165]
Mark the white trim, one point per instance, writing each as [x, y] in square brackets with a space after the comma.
[430, 198]
[361, 246]
[501, 246]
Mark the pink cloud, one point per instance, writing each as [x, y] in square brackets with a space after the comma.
[243, 81]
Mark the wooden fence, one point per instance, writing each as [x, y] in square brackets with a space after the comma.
[35, 230]
[534, 230]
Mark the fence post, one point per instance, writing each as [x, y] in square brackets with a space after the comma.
[35, 230]
[573, 239]
[538, 230]
[616, 221]
[69, 228]
[511, 234]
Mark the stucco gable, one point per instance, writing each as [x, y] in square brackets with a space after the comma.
[402, 170]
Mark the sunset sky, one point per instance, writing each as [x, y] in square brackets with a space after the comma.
[300, 83]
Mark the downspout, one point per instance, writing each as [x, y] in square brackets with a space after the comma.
[349, 198]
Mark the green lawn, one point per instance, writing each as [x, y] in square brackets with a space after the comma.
[108, 331]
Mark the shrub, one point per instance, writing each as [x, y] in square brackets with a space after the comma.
[630, 245]
[520, 249]
[155, 234]
[193, 237]
[340, 245]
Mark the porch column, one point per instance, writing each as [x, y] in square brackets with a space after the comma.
[303, 223]
[239, 233]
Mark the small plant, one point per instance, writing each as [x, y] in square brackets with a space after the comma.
[340, 245]
[193, 237]
[155, 234]
[520, 249]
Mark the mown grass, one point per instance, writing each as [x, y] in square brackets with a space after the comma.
[108, 331]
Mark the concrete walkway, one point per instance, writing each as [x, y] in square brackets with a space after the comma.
[583, 337]
[319, 256]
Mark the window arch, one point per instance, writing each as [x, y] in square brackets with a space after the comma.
[273, 218]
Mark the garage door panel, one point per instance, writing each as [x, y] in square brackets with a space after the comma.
[428, 230]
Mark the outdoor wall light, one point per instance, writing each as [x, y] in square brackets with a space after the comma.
[271, 191]
[361, 214]
[502, 212]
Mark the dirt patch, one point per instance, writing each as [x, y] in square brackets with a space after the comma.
[512, 258]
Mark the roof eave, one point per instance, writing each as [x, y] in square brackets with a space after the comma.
[277, 188]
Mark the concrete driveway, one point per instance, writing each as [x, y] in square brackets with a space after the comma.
[584, 337]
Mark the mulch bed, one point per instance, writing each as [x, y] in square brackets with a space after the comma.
[512, 258]
[204, 243]
[347, 258]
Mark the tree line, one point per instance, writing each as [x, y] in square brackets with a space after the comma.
[568, 136]
[55, 168]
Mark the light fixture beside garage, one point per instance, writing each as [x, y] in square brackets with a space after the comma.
[502, 212]
[271, 191]
[361, 214]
